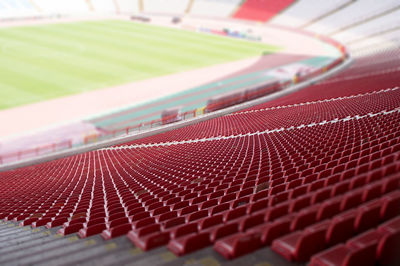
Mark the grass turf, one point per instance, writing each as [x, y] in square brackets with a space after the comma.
[49, 61]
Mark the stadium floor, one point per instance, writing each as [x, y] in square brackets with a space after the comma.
[24, 245]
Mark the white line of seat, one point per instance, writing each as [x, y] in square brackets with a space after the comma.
[315, 102]
[380, 72]
[314, 124]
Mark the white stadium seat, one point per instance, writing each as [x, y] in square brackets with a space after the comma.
[303, 12]
[214, 8]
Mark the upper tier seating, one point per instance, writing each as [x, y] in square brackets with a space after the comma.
[16, 8]
[103, 6]
[128, 6]
[54, 7]
[352, 15]
[359, 73]
[305, 11]
[314, 175]
[26, 8]
[261, 10]
[371, 28]
[376, 45]
[214, 8]
[165, 6]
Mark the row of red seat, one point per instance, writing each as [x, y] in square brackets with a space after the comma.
[323, 168]
[376, 245]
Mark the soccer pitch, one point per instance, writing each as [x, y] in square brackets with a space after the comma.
[54, 60]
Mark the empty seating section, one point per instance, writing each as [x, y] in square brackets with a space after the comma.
[214, 8]
[16, 8]
[305, 11]
[314, 175]
[365, 26]
[370, 28]
[387, 59]
[165, 6]
[261, 10]
[354, 14]
[102, 6]
[128, 6]
[26, 8]
[277, 118]
[359, 73]
[54, 7]
[375, 45]
[355, 85]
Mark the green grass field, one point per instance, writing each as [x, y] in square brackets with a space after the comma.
[48, 61]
